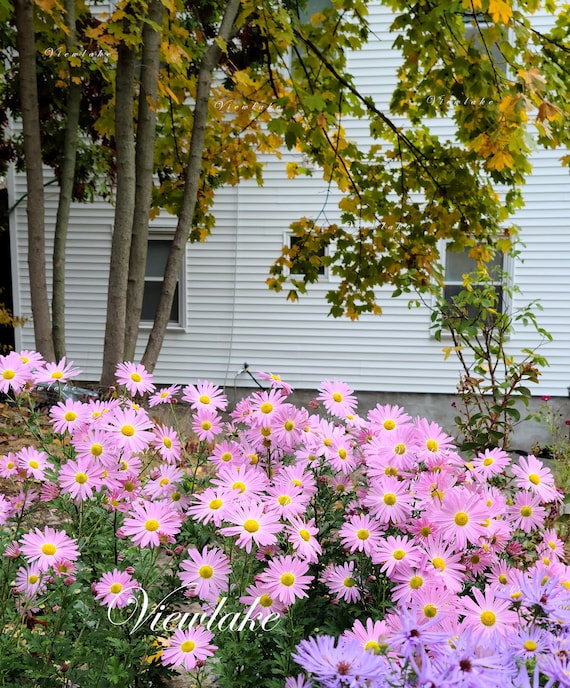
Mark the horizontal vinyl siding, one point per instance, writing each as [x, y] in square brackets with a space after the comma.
[232, 318]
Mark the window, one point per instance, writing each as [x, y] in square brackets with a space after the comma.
[475, 28]
[296, 240]
[158, 250]
[459, 264]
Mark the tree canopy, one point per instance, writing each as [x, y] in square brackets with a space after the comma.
[149, 134]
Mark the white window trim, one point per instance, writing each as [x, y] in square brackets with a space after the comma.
[157, 233]
[325, 277]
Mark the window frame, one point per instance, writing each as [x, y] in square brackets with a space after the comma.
[288, 237]
[180, 325]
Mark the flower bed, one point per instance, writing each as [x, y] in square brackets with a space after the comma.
[290, 547]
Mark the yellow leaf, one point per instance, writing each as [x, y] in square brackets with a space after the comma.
[317, 18]
[446, 352]
[292, 170]
[222, 45]
[500, 11]
[500, 160]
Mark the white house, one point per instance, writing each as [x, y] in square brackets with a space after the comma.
[226, 316]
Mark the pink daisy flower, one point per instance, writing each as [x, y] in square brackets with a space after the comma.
[435, 602]
[187, 648]
[526, 513]
[166, 395]
[433, 443]
[69, 415]
[33, 462]
[490, 462]
[80, 478]
[396, 553]
[249, 482]
[487, 616]
[64, 568]
[207, 572]
[266, 604]
[387, 418]
[373, 637]
[338, 398]
[131, 429]
[47, 546]
[31, 581]
[8, 465]
[114, 589]
[56, 372]
[531, 474]
[211, 505]
[285, 499]
[205, 395]
[288, 425]
[151, 522]
[286, 578]
[445, 563]
[206, 423]
[552, 545]
[389, 500]
[225, 452]
[134, 377]
[97, 445]
[13, 374]
[264, 406]
[163, 481]
[362, 534]
[340, 580]
[252, 525]
[461, 517]
[167, 443]
[302, 536]
[275, 381]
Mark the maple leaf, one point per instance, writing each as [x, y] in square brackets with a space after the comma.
[548, 111]
[500, 11]
[500, 160]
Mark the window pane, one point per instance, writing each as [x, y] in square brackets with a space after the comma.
[158, 250]
[457, 264]
[151, 298]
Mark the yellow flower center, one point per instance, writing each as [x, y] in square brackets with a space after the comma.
[390, 470]
[475, 559]
[503, 580]
[363, 534]
[552, 545]
[129, 486]
[348, 583]
[176, 496]
[215, 504]
[399, 554]
[152, 525]
[430, 610]
[526, 511]
[372, 645]
[10, 465]
[488, 618]
[416, 582]
[205, 571]
[337, 396]
[425, 531]
[287, 579]
[305, 535]
[489, 461]
[284, 500]
[70, 416]
[266, 408]
[8, 374]
[461, 518]
[33, 464]
[342, 453]
[226, 456]
[327, 442]
[48, 549]
[204, 399]
[438, 563]
[400, 449]
[56, 375]
[115, 588]
[251, 525]
[265, 600]
[81, 478]
[167, 442]
[135, 377]
[289, 425]
[187, 646]
[33, 579]
[164, 481]
[128, 430]
[239, 486]
[534, 478]
[96, 449]
[205, 425]
[389, 499]
[389, 424]
[530, 645]
[432, 445]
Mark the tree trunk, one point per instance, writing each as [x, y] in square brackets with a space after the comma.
[66, 191]
[26, 46]
[209, 63]
[144, 167]
[124, 209]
